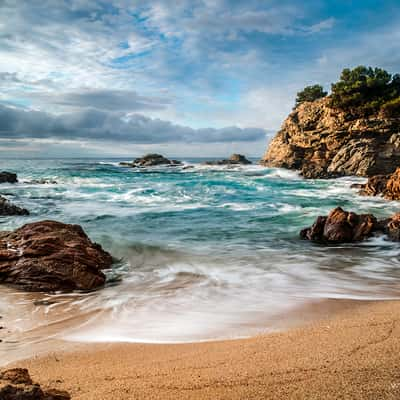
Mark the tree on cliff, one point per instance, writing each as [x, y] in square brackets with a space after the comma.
[365, 91]
[310, 93]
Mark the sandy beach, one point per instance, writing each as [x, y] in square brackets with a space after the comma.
[354, 355]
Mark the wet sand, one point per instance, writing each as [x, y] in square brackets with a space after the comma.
[354, 355]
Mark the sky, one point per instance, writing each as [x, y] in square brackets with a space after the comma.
[185, 78]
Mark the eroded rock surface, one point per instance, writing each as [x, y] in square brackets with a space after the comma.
[16, 384]
[324, 142]
[341, 227]
[387, 186]
[50, 256]
[346, 227]
[8, 208]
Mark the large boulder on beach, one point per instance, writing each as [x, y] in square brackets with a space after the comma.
[341, 227]
[8, 208]
[326, 142]
[151, 160]
[16, 384]
[51, 256]
[234, 159]
[8, 177]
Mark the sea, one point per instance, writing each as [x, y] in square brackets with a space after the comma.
[201, 252]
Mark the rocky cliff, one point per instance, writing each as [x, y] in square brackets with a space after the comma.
[324, 142]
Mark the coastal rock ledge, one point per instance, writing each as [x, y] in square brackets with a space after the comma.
[324, 142]
[16, 384]
[51, 256]
[387, 186]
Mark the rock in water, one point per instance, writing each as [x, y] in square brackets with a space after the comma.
[8, 177]
[386, 185]
[234, 159]
[50, 256]
[16, 384]
[324, 142]
[151, 160]
[7, 208]
[341, 227]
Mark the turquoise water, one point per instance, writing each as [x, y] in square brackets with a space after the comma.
[201, 253]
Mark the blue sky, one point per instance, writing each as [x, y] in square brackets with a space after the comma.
[186, 78]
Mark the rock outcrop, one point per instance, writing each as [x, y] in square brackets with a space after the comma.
[16, 384]
[151, 160]
[346, 227]
[7, 208]
[324, 142]
[50, 256]
[8, 177]
[387, 186]
[234, 159]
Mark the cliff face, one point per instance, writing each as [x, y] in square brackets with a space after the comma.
[323, 142]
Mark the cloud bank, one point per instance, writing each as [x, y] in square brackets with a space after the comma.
[94, 124]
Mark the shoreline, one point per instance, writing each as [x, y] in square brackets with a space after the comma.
[46, 339]
[354, 354]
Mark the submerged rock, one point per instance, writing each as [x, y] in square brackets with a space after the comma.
[324, 142]
[7, 208]
[346, 227]
[387, 186]
[234, 159]
[8, 177]
[151, 160]
[16, 384]
[43, 181]
[50, 256]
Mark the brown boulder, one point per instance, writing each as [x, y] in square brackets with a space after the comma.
[16, 384]
[341, 227]
[387, 186]
[50, 256]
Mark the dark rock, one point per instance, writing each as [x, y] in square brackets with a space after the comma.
[50, 256]
[43, 182]
[16, 384]
[7, 208]
[324, 142]
[151, 160]
[341, 227]
[234, 159]
[8, 177]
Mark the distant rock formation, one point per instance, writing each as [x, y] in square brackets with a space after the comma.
[323, 142]
[151, 160]
[16, 384]
[50, 256]
[346, 227]
[7, 208]
[8, 177]
[234, 159]
[387, 186]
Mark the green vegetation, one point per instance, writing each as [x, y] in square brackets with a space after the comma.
[365, 91]
[310, 93]
[361, 92]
